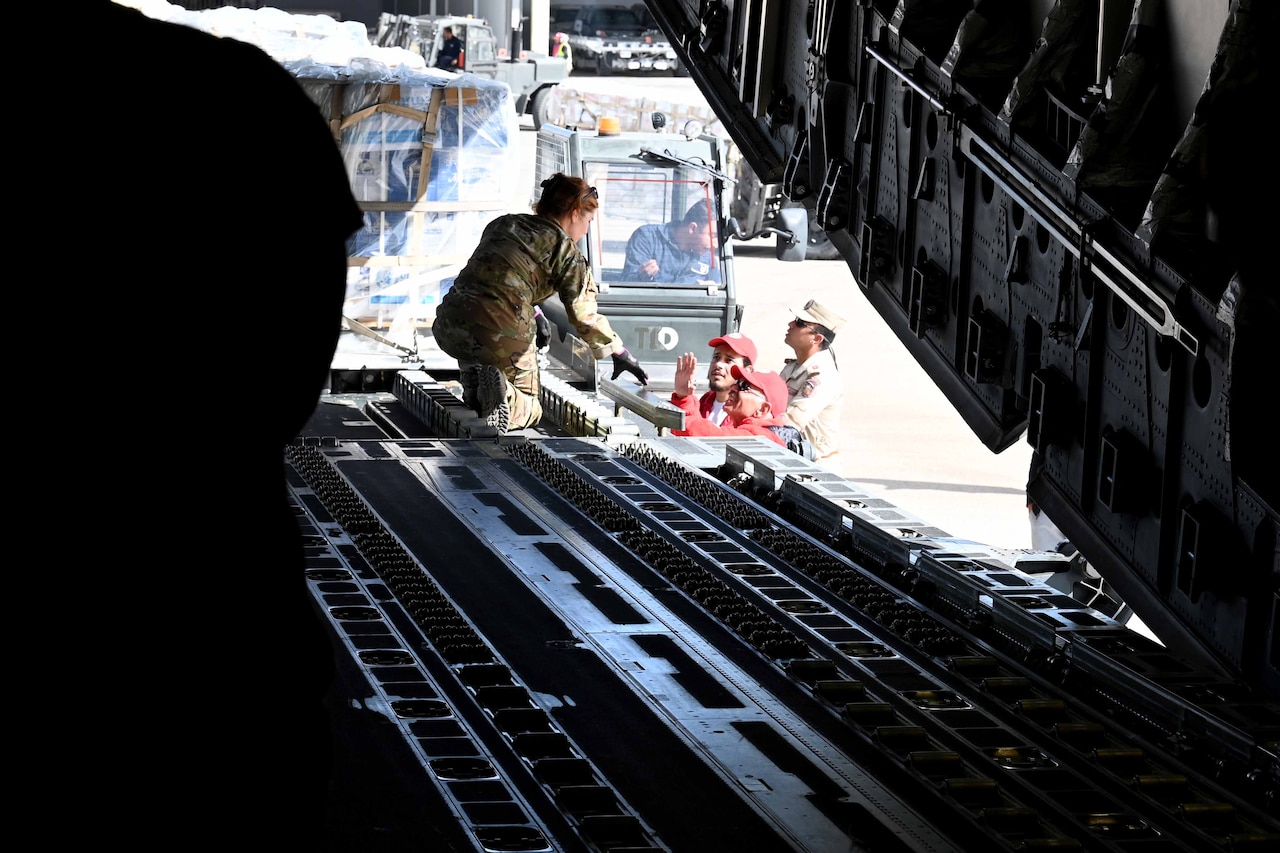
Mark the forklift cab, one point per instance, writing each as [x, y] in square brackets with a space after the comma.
[647, 181]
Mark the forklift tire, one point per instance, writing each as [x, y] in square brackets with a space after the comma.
[540, 109]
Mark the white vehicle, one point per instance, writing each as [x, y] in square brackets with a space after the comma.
[614, 39]
[531, 78]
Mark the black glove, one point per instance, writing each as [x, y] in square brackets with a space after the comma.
[543, 336]
[626, 361]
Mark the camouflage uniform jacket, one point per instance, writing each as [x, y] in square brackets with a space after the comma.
[522, 260]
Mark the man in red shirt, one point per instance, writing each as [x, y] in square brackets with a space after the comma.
[732, 350]
[751, 403]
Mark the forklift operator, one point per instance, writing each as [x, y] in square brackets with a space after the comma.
[450, 51]
[673, 252]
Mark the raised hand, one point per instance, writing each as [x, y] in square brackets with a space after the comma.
[686, 365]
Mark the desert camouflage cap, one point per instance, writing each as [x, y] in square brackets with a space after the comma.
[815, 312]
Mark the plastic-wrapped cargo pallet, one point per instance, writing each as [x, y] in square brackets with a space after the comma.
[418, 233]
[395, 121]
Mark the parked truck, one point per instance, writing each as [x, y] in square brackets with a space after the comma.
[615, 40]
[531, 76]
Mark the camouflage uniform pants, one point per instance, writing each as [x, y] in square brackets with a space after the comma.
[514, 353]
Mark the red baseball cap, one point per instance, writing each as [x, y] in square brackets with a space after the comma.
[773, 386]
[737, 342]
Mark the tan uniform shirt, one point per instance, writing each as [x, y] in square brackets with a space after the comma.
[815, 400]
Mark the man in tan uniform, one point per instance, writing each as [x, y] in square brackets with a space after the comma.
[814, 387]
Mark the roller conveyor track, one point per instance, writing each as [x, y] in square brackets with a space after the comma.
[563, 405]
[739, 798]
[991, 599]
[812, 702]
